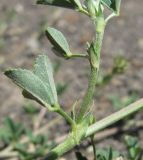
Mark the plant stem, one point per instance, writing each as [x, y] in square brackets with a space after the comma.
[61, 149]
[69, 143]
[82, 10]
[113, 118]
[94, 61]
[87, 100]
[77, 55]
[93, 146]
[66, 116]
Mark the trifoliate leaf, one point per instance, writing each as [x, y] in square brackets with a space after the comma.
[58, 41]
[58, 3]
[39, 84]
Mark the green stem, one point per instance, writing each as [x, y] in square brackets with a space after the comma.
[82, 10]
[94, 61]
[78, 56]
[87, 100]
[115, 117]
[66, 116]
[69, 143]
[62, 148]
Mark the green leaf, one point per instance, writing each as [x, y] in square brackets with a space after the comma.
[58, 3]
[28, 81]
[112, 4]
[39, 84]
[43, 69]
[58, 41]
[107, 154]
[11, 131]
[134, 149]
[5, 135]
[94, 55]
[30, 109]
[110, 154]
[16, 129]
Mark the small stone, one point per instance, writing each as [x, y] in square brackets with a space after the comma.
[32, 44]
[140, 43]
[2, 60]
[19, 8]
[119, 158]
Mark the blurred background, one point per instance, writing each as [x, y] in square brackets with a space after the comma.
[22, 38]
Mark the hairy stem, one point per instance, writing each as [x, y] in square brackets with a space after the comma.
[66, 116]
[94, 61]
[69, 143]
[87, 100]
[115, 117]
[61, 149]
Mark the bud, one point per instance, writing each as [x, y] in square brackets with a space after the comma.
[91, 6]
[120, 64]
[94, 7]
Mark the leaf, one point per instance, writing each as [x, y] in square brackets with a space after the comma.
[112, 4]
[39, 84]
[58, 41]
[134, 149]
[58, 3]
[107, 154]
[110, 154]
[94, 55]
[11, 131]
[5, 135]
[30, 109]
[28, 81]
[17, 129]
[43, 69]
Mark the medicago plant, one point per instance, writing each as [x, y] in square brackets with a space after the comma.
[39, 85]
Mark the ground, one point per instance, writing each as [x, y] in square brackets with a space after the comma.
[21, 40]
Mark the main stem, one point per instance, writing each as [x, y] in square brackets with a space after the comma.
[94, 57]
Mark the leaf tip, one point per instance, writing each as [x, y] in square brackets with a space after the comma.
[49, 30]
[7, 72]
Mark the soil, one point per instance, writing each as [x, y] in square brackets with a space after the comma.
[22, 39]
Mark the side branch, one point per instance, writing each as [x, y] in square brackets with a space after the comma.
[69, 143]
